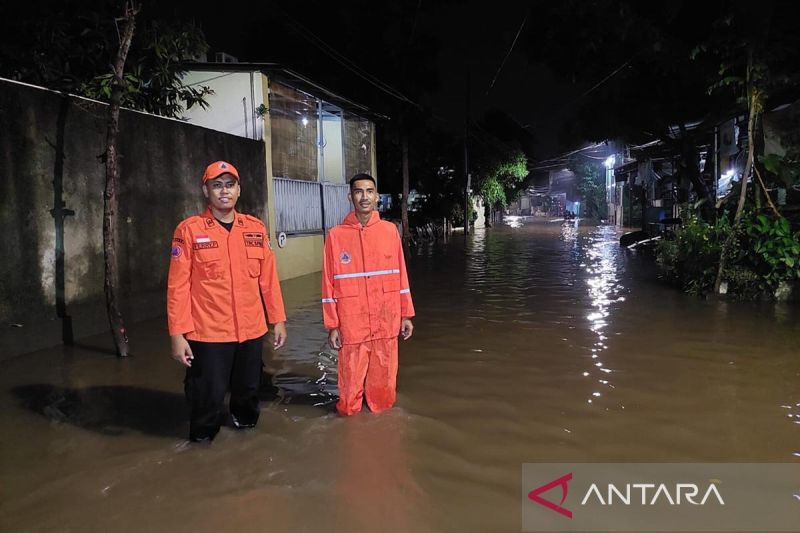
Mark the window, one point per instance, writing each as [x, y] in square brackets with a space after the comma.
[357, 145]
[294, 119]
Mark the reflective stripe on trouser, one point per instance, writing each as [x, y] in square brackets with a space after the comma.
[371, 368]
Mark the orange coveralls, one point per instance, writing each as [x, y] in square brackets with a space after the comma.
[217, 280]
[365, 293]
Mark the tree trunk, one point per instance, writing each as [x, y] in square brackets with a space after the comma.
[751, 145]
[111, 202]
[752, 100]
[404, 201]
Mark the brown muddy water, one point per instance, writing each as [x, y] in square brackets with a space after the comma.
[535, 343]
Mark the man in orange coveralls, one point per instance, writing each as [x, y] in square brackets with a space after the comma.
[221, 268]
[366, 301]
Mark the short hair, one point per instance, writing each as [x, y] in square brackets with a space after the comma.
[362, 176]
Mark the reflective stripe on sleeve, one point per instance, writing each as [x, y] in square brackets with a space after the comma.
[405, 291]
[329, 300]
[365, 274]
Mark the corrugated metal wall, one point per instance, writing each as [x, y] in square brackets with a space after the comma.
[337, 204]
[298, 208]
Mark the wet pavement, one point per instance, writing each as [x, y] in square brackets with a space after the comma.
[533, 343]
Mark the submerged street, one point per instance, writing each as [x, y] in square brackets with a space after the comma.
[534, 342]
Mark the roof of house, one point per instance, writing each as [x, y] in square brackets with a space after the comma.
[291, 78]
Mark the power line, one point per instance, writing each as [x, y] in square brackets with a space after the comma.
[508, 53]
[343, 60]
[601, 82]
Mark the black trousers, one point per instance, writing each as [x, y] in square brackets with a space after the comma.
[216, 367]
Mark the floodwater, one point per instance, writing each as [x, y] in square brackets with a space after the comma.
[533, 343]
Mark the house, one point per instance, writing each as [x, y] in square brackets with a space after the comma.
[315, 141]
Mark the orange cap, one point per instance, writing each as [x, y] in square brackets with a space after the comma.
[218, 168]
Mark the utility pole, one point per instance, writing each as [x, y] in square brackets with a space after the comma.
[467, 184]
[404, 202]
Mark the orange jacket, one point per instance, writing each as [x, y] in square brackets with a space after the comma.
[365, 289]
[217, 280]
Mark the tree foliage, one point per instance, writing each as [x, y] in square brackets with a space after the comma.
[762, 252]
[499, 184]
[69, 46]
[591, 186]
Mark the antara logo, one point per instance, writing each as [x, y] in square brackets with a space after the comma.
[629, 494]
[677, 495]
[562, 482]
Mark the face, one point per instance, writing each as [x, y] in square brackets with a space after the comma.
[364, 196]
[222, 192]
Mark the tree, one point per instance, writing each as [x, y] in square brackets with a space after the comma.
[592, 188]
[499, 155]
[111, 202]
[755, 61]
[499, 179]
[69, 46]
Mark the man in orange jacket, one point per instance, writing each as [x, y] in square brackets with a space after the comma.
[221, 269]
[366, 301]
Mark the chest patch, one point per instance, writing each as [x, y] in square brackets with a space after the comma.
[345, 257]
[204, 245]
[254, 239]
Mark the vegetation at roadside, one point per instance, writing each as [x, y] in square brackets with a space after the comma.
[762, 257]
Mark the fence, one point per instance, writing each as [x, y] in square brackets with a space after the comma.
[337, 204]
[301, 205]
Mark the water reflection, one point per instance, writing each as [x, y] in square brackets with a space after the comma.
[513, 221]
[604, 266]
[374, 485]
[518, 329]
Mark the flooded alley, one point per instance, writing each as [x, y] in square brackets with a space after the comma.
[534, 342]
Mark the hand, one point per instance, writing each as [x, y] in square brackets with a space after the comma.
[406, 328]
[279, 332]
[181, 351]
[335, 339]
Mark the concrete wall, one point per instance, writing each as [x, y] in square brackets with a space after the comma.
[301, 255]
[49, 141]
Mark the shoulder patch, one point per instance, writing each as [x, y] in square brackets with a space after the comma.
[188, 222]
[251, 218]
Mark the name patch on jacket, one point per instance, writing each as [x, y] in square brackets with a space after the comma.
[202, 242]
[254, 239]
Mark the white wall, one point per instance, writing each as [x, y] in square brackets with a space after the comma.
[226, 111]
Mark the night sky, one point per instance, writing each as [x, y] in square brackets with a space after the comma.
[453, 38]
